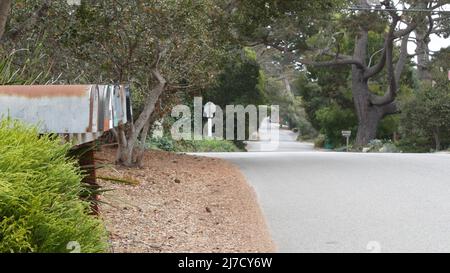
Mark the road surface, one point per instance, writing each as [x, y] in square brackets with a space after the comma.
[348, 202]
[287, 142]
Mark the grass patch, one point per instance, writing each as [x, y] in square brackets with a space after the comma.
[168, 144]
[206, 146]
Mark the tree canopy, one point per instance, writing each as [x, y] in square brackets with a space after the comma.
[330, 63]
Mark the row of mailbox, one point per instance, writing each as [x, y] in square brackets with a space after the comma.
[80, 113]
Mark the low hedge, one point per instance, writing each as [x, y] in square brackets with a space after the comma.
[207, 145]
[40, 208]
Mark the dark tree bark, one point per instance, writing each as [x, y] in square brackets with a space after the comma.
[368, 115]
[437, 139]
[370, 108]
[141, 150]
[422, 38]
[5, 7]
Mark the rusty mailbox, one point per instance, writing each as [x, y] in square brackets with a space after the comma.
[79, 113]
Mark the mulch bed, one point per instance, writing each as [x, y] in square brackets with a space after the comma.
[181, 203]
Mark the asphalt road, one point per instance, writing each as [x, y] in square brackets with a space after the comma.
[345, 202]
[287, 143]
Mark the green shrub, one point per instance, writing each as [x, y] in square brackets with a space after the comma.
[40, 208]
[333, 120]
[388, 127]
[381, 146]
[167, 144]
[306, 131]
[161, 143]
[425, 118]
[203, 146]
[319, 142]
[415, 144]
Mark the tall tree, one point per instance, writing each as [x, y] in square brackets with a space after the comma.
[429, 24]
[156, 46]
[426, 115]
[397, 26]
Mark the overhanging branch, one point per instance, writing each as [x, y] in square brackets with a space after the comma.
[394, 74]
[335, 62]
[30, 22]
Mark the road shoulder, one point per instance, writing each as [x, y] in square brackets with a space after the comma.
[182, 204]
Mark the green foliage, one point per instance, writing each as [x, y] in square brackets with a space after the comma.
[287, 19]
[425, 118]
[161, 143]
[415, 144]
[295, 115]
[333, 119]
[327, 92]
[381, 146]
[328, 103]
[240, 83]
[23, 67]
[40, 208]
[319, 142]
[388, 127]
[280, 91]
[110, 41]
[207, 145]
[327, 99]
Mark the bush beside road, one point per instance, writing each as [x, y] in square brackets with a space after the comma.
[40, 189]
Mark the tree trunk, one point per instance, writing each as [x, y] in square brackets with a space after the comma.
[371, 108]
[5, 7]
[423, 58]
[129, 138]
[422, 50]
[124, 151]
[437, 140]
[369, 116]
[141, 151]
[367, 127]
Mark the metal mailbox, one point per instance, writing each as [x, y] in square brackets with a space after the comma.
[79, 113]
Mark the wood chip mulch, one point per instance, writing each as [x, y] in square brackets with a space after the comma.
[181, 204]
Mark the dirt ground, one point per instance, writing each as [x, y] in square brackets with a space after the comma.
[181, 204]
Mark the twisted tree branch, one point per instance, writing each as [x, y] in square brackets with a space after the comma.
[5, 7]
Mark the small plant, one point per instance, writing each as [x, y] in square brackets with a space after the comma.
[319, 142]
[381, 146]
[40, 205]
[161, 143]
[208, 145]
